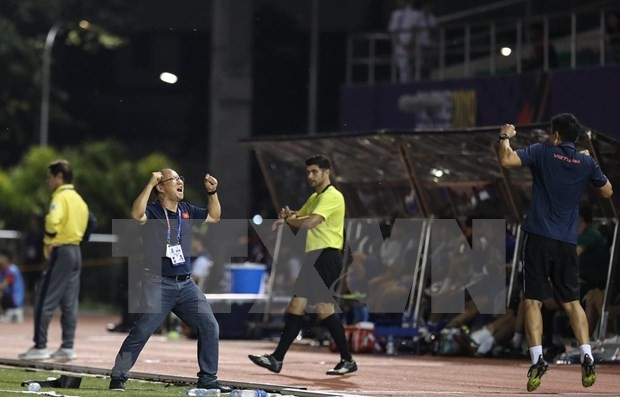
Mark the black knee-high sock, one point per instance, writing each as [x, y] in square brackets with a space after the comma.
[292, 326]
[336, 329]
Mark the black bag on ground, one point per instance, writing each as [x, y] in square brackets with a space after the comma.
[64, 382]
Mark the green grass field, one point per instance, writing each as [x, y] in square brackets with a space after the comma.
[11, 379]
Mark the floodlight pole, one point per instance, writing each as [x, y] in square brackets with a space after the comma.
[45, 84]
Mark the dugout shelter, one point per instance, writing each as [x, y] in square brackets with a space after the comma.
[438, 174]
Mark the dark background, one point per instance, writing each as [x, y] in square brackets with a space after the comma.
[117, 93]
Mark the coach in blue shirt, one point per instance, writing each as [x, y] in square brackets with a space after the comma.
[560, 175]
[167, 285]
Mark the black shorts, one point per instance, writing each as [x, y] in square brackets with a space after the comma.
[319, 277]
[550, 269]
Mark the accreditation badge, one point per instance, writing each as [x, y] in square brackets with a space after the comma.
[175, 253]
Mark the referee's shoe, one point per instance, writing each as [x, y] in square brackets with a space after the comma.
[267, 361]
[343, 367]
[535, 373]
[588, 376]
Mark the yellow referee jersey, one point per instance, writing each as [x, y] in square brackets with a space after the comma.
[330, 233]
[67, 218]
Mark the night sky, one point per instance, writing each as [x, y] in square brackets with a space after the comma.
[117, 93]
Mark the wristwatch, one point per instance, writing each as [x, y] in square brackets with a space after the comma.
[501, 137]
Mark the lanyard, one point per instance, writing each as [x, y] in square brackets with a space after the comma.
[168, 223]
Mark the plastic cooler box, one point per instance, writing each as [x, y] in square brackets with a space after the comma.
[247, 278]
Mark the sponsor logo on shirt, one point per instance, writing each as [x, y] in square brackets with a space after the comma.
[567, 159]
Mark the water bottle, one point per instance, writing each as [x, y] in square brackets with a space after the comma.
[200, 392]
[248, 393]
[34, 387]
[389, 347]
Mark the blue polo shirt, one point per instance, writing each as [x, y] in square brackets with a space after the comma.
[560, 176]
[155, 232]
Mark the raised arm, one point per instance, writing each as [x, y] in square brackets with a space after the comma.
[138, 210]
[508, 158]
[213, 204]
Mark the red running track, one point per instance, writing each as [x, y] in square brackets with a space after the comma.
[305, 366]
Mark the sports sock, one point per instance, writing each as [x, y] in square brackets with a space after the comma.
[535, 352]
[486, 345]
[292, 326]
[336, 329]
[585, 349]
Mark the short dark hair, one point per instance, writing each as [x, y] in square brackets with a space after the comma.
[61, 167]
[321, 161]
[567, 126]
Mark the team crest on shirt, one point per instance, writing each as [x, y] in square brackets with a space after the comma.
[184, 215]
[53, 207]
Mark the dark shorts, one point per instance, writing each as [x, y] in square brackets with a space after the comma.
[319, 276]
[550, 269]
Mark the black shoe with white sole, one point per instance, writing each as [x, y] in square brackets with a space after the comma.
[343, 367]
[267, 361]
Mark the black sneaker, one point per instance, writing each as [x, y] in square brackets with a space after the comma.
[588, 376]
[267, 361]
[117, 385]
[535, 373]
[214, 385]
[343, 367]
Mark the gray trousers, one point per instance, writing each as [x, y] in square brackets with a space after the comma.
[59, 285]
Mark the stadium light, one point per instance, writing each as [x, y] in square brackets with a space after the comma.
[169, 78]
[257, 219]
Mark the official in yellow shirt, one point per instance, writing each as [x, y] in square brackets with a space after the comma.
[67, 218]
[323, 216]
[65, 225]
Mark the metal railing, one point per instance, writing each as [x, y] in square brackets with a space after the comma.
[567, 40]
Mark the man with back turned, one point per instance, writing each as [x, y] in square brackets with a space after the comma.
[560, 175]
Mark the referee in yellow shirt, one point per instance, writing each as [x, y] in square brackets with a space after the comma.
[323, 216]
[65, 225]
